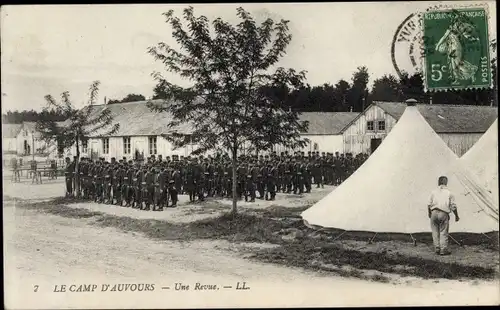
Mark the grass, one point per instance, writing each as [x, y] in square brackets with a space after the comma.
[314, 251]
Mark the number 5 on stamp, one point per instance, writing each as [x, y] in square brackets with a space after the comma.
[456, 50]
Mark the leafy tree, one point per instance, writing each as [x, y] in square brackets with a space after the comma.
[128, 98]
[80, 124]
[278, 126]
[358, 91]
[16, 117]
[413, 87]
[159, 92]
[228, 69]
[386, 88]
[341, 94]
[133, 97]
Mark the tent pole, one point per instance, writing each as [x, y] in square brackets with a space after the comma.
[371, 240]
[414, 241]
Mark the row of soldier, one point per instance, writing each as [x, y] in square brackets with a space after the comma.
[156, 183]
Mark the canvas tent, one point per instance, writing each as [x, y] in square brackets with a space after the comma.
[390, 191]
[482, 160]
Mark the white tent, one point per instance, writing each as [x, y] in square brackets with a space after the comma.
[390, 191]
[482, 160]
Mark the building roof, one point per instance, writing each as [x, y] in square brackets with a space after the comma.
[10, 130]
[327, 123]
[136, 119]
[448, 118]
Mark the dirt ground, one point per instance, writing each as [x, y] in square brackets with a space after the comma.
[48, 250]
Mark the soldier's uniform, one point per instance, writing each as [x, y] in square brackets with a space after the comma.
[138, 188]
[250, 189]
[317, 174]
[162, 189]
[271, 182]
[15, 170]
[118, 177]
[127, 185]
[280, 181]
[69, 174]
[261, 184]
[149, 191]
[307, 176]
[173, 193]
[288, 177]
[298, 179]
[240, 179]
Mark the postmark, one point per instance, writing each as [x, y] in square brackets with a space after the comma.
[456, 49]
[406, 47]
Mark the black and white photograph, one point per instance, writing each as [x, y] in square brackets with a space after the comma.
[237, 155]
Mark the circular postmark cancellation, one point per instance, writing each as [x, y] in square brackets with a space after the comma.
[406, 47]
[456, 53]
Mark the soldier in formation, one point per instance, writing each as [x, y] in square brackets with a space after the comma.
[156, 183]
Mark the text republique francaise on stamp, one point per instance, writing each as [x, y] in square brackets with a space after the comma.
[456, 49]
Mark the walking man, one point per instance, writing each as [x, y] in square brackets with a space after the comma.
[441, 204]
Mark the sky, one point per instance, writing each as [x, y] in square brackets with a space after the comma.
[52, 49]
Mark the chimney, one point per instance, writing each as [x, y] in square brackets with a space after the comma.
[104, 99]
[411, 102]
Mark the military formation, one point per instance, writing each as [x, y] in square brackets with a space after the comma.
[156, 183]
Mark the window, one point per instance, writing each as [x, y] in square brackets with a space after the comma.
[126, 145]
[152, 146]
[381, 125]
[85, 144]
[369, 125]
[105, 146]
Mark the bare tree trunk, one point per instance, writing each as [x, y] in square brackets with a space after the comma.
[234, 211]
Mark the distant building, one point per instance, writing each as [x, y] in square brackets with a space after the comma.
[139, 135]
[9, 138]
[324, 133]
[141, 130]
[30, 141]
[460, 126]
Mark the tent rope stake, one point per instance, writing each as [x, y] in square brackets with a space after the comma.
[413, 239]
[459, 243]
[371, 240]
[334, 239]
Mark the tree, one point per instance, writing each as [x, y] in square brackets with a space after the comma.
[342, 94]
[358, 91]
[128, 98]
[159, 92]
[386, 88]
[227, 67]
[278, 126]
[412, 87]
[133, 97]
[81, 123]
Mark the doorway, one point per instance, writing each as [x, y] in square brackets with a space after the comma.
[374, 144]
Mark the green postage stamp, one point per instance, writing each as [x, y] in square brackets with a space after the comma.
[456, 49]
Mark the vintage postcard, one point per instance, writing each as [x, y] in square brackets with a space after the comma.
[250, 155]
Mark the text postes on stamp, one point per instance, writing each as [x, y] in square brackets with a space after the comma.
[456, 44]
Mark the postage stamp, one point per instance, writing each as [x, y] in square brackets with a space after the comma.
[456, 49]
